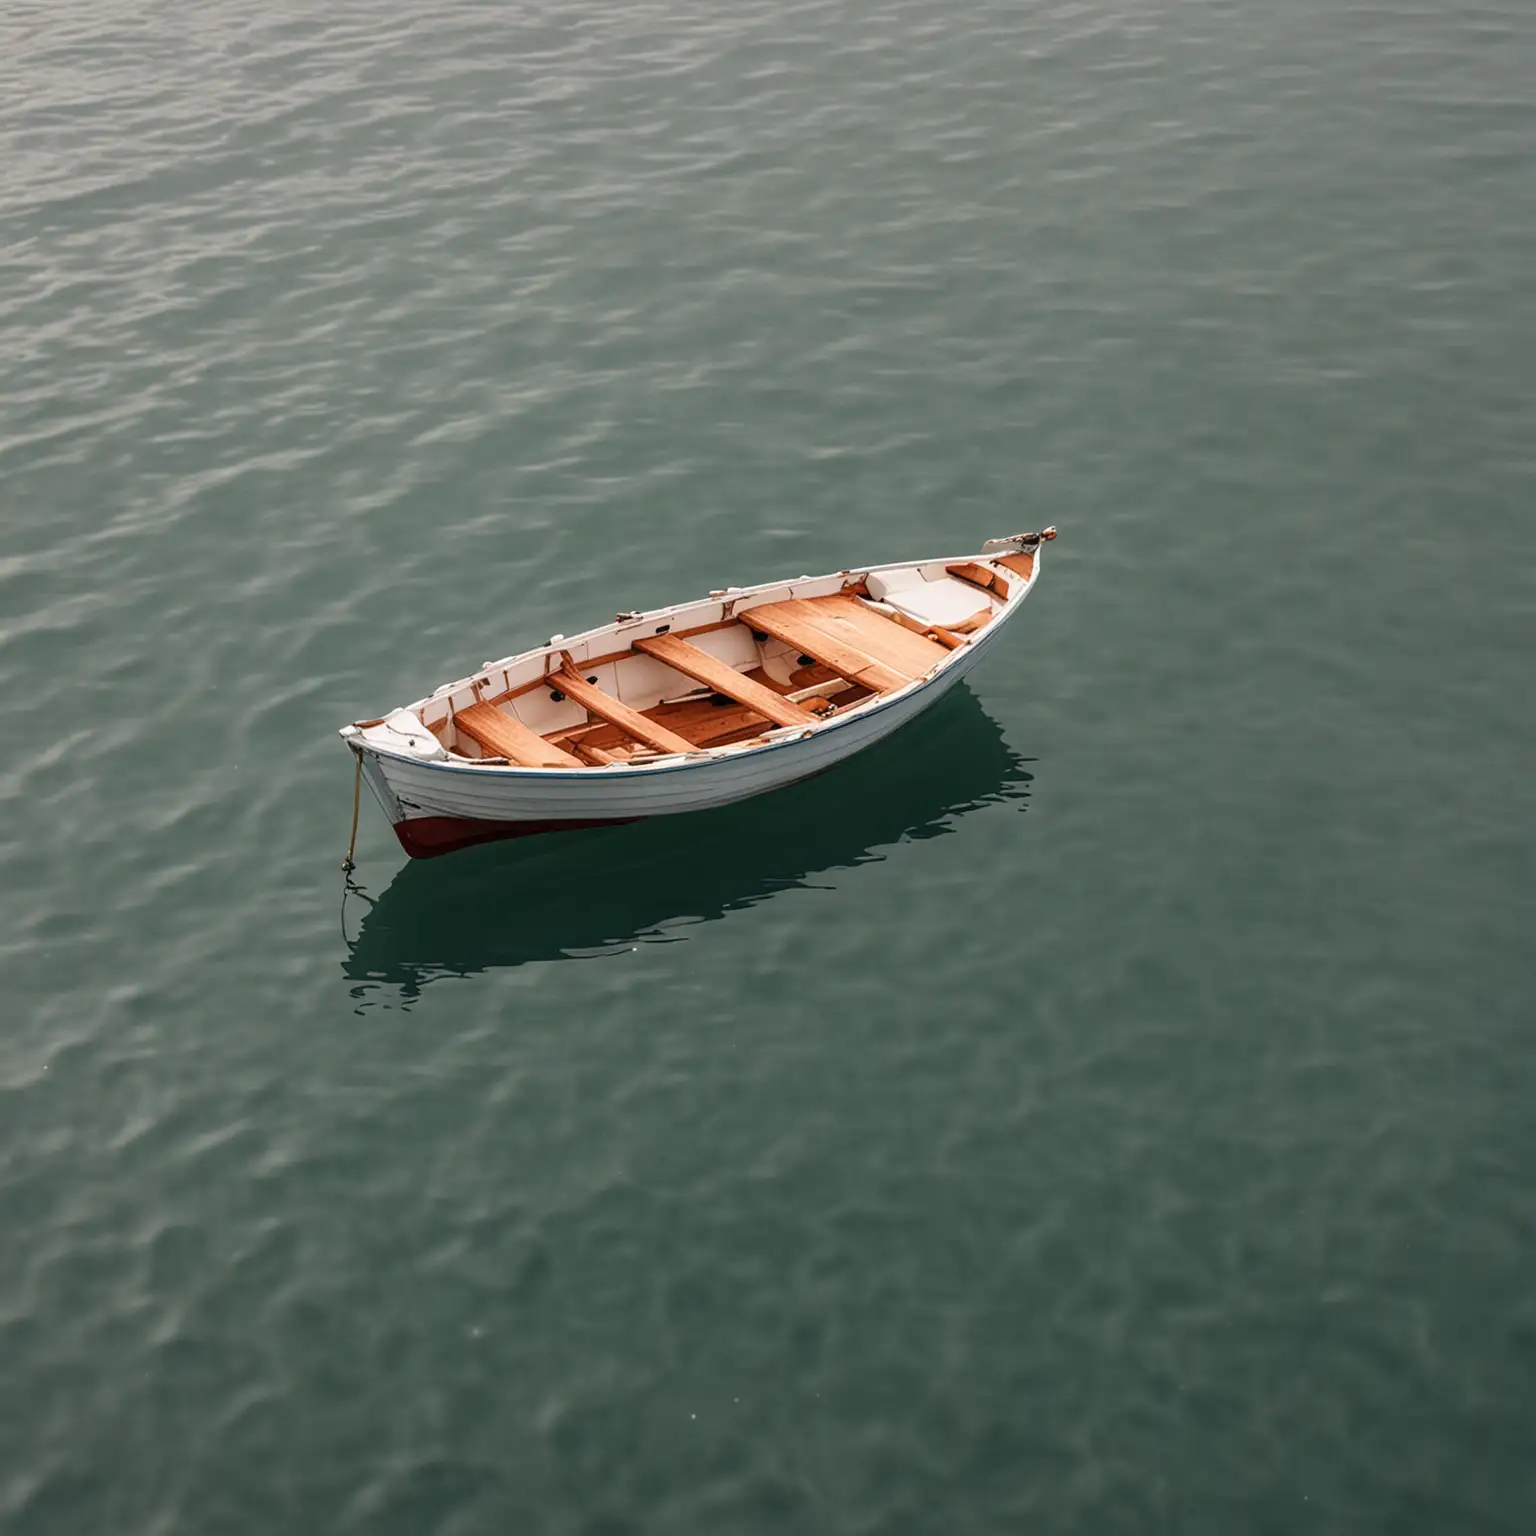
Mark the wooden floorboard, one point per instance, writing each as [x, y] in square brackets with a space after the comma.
[801, 677]
[700, 721]
[705, 722]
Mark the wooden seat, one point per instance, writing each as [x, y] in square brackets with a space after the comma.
[1023, 563]
[724, 678]
[877, 633]
[606, 707]
[504, 736]
[785, 622]
[862, 645]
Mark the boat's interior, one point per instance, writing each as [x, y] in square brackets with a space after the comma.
[724, 672]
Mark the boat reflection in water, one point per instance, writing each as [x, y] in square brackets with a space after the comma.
[582, 894]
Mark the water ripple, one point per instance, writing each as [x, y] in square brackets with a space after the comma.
[871, 1158]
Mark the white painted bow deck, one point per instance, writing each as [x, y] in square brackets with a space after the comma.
[691, 706]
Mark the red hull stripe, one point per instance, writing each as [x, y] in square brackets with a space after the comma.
[428, 836]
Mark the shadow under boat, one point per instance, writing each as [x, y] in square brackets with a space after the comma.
[580, 894]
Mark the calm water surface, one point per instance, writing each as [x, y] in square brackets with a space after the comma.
[1108, 1108]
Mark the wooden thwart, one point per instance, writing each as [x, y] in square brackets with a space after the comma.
[723, 678]
[1023, 563]
[606, 707]
[787, 622]
[877, 634]
[503, 736]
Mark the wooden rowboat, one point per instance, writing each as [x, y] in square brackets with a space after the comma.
[688, 707]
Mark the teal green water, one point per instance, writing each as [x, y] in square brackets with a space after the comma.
[1108, 1107]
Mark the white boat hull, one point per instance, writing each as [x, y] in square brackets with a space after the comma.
[436, 806]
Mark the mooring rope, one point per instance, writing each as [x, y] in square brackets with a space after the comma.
[347, 864]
